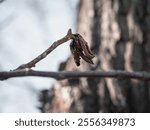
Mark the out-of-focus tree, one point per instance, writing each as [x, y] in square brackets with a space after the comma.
[1, 1]
[118, 32]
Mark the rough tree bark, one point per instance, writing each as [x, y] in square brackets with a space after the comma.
[118, 32]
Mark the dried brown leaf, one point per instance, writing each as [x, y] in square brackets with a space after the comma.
[79, 48]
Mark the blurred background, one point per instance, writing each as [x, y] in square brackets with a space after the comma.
[118, 33]
[27, 28]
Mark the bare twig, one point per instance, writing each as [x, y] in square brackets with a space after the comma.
[79, 49]
[32, 63]
[66, 75]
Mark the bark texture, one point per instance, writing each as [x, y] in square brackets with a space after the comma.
[118, 32]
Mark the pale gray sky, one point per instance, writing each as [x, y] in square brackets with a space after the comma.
[27, 28]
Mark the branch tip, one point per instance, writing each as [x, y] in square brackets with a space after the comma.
[69, 32]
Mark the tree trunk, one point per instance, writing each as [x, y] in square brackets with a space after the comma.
[118, 32]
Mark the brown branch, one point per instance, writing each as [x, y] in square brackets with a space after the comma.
[67, 75]
[79, 49]
[32, 63]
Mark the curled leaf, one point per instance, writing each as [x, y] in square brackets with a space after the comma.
[80, 49]
[85, 47]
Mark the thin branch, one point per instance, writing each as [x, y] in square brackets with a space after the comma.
[79, 49]
[32, 63]
[67, 75]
